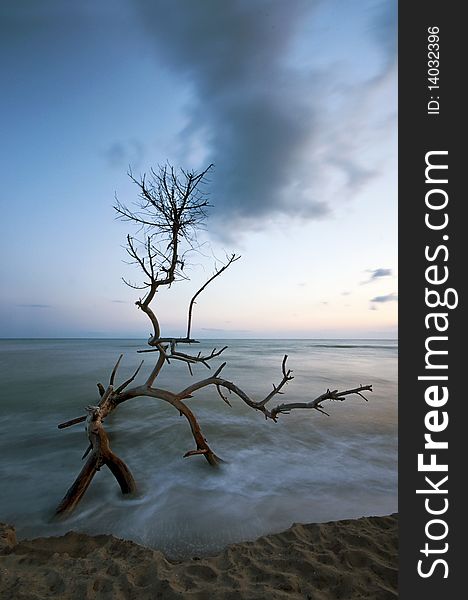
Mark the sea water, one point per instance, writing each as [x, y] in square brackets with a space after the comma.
[307, 467]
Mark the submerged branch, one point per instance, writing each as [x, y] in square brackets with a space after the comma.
[101, 454]
[99, 449]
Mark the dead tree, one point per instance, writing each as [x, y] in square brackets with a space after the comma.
[171, 207]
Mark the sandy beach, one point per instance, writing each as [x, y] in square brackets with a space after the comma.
[337, 560]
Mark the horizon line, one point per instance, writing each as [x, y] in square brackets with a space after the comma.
[200, 338]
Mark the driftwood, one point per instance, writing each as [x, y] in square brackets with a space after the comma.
[173, 206]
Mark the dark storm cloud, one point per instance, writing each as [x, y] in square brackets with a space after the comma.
[251, 111]
[257, 116]
[277, 146]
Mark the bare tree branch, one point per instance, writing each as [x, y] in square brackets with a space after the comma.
[261, 404]
[101, 454]
[171, 207]
[316, 404]
[217, 273]
[190, 358]
[277, 388]
[126, 383]
[114, 371]
[71, 422]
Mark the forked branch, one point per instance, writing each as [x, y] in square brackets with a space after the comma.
[170, 209]
[277, 389]
[101, 454]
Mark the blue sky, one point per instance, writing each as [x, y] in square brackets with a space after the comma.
[294, 102]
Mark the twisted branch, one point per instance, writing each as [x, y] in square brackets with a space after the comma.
[101, 454]
[171, 207]
[261, 404]
[99, 442]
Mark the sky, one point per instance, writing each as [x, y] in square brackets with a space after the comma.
[295, 104]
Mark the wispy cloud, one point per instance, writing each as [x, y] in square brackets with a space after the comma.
[377, 274]
[34, 305]
[388, 298]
